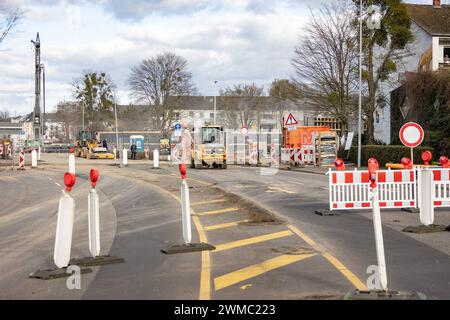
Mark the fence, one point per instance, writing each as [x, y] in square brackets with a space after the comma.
[441, 181]
[298, 156]
[351, 190]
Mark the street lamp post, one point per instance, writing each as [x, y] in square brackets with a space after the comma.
[43, 104]
[117, 128]
[215, 100]
[82, 120]
[360, 83]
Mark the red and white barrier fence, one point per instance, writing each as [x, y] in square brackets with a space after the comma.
[350, 189]
[441, 181]
[396, 189]
[307, 154]
[298, 156]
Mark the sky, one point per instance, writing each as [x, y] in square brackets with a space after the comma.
[232, 41]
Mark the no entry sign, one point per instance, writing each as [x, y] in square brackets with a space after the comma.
[411, 134]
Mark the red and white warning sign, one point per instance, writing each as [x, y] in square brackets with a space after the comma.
[411, 134]
[290, 121]
[21, 160]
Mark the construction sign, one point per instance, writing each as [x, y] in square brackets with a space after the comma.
[290, 121]
[306, 138]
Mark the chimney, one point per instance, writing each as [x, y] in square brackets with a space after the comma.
[437, 3]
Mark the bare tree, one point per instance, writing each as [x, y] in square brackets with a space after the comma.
[9, 19]
[158, 82]
[283, 91]
[240, 103]
[326, 61]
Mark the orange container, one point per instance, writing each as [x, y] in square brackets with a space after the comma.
[301, 136]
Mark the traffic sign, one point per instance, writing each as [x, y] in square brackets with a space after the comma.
[177, 126]
[244, 130]
[290, 121]
[411, 134]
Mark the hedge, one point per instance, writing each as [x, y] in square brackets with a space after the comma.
[389, 153]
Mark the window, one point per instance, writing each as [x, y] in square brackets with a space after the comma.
[177, 115]
[446, 54]
[211, 115]
[377, 117]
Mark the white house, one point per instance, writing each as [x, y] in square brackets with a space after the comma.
[430, 51]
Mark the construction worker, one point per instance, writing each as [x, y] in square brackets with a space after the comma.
[133, 151]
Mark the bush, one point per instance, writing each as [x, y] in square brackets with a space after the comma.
[386, 154]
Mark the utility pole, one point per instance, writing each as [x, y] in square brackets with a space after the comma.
[37, 87]
[360, 82]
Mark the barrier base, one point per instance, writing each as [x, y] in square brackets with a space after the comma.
[326, 212]
[411, 210]
[426, 229]
[97, 261]
[384, 295]
[50, 274]
[191, 247]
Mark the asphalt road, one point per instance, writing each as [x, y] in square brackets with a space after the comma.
[279, 249]
[419, 262]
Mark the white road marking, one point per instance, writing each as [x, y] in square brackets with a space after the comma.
[57, 184]
[295, 182]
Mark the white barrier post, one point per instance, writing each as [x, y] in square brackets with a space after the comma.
[64, 225]
[94, 216]
[72, 160]
[124, 157]
[185, 206]
[156, 158]
[373, 167]
[34, 159]
[39, 153]
[426, 193]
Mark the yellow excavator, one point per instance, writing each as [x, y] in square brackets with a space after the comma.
[87, 146]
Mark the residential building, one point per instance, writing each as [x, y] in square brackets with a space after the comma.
[430, 51]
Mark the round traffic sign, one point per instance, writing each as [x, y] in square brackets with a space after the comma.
[411, 134]
[244, 130]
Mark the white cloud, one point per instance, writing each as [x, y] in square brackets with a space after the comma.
[232, 41]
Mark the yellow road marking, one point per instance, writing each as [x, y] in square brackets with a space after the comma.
[205, 273]
[246, 286]
[347, 273]
[307, 239]
[335, 262]
[206, 213]
[208, 202]
[256, 270]
[224, 225]
[272, 189]
[205, 285]
[248, 241]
